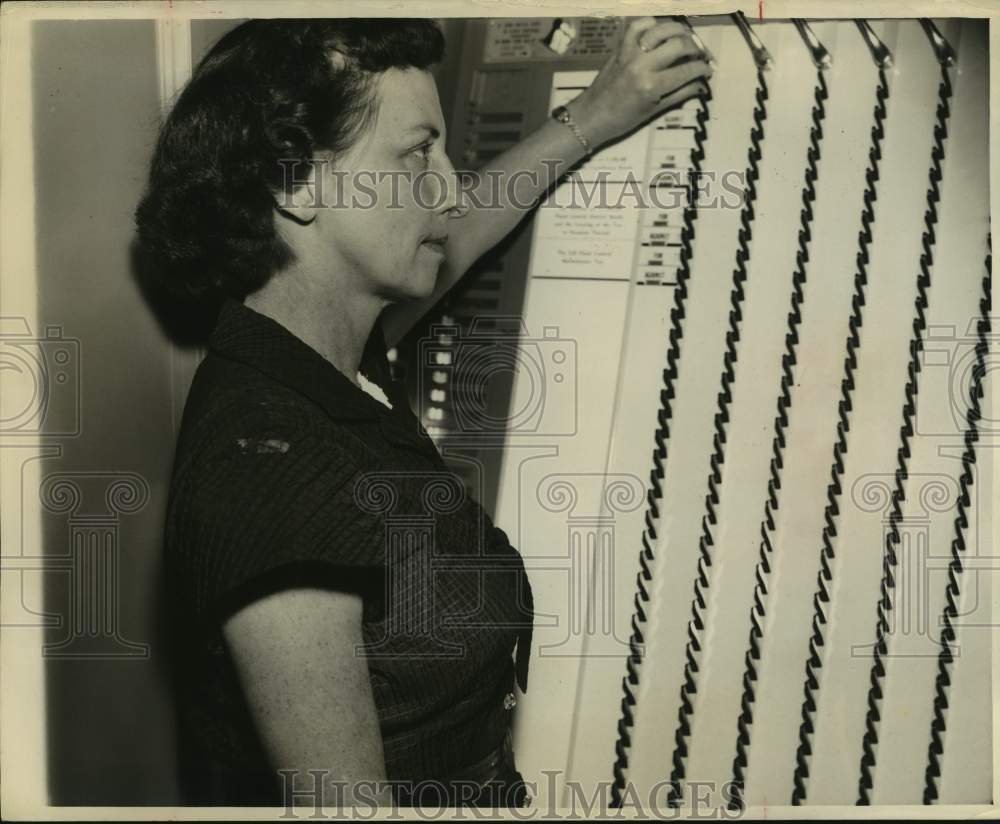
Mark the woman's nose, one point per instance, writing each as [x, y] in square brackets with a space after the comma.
[453, 202]
[440, 190]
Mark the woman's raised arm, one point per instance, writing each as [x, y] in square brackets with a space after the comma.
[656, 66]
[308, 690]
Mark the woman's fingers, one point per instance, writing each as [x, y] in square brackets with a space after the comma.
[672, 79]
[686, 92]
[673, 49]
[654, 59]
[635, 29]
[653, 36]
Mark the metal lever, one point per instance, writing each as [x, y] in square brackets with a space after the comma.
[821, 57]
[945, 53]
[762, 57]
[880, 54]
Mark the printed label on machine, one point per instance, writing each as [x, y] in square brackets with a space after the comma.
[617, 214]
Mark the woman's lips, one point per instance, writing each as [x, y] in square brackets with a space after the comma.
[435, 244]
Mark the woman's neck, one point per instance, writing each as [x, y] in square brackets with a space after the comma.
[334, 322]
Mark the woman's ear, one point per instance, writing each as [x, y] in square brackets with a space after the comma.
[301, 197]
[338, 59]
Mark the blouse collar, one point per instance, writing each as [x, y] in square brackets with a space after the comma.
[244, 335]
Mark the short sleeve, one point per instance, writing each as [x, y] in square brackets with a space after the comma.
[273, 507]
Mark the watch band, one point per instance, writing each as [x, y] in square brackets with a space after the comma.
[561, 114]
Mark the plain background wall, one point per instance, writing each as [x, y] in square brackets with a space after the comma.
[96, 110]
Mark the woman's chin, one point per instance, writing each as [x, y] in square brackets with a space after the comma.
[417, 287]
[426, 274]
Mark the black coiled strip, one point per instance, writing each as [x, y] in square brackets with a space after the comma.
[824, 578]
[955, 568]
[889, 561]
[696, 624]
[788, 361]
[654, 492]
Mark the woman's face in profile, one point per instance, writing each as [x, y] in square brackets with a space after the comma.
[389, 196]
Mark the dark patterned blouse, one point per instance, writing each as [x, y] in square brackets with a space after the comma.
[288, 473]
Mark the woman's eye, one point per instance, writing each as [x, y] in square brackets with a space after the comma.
[423, 152]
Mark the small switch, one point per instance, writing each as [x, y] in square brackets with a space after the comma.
[560, 37]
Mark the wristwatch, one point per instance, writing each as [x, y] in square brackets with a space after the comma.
[561, 113]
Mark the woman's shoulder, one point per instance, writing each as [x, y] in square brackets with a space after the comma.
[225, 392]
[233, 409]
[262, 483]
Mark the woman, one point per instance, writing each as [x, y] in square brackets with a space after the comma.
[343, 613]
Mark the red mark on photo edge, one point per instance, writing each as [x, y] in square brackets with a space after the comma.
[760, 10]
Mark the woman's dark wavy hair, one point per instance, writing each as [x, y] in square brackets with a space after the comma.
[267, 92]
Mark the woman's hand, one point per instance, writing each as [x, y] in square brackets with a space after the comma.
[643, 77]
